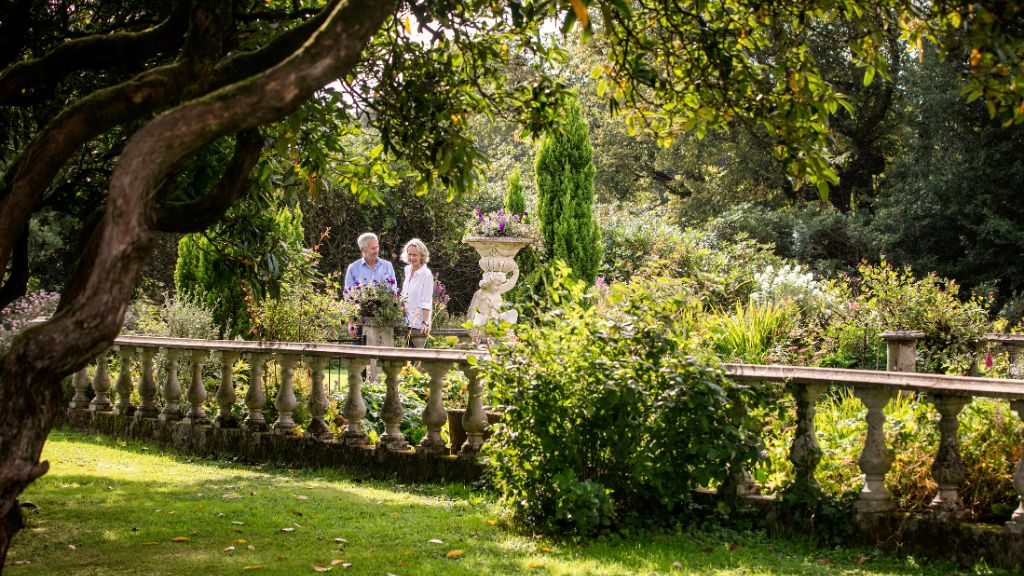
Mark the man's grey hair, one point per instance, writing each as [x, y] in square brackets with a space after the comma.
[417, 244]
[365, 239]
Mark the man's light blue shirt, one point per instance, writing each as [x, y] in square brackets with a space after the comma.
[359, 271]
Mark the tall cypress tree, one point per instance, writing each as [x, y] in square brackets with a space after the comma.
[515, 200]
[565, 190]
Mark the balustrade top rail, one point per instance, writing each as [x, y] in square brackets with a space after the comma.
[303, 349]
[936, 383]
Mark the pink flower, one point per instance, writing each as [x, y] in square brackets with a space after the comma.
[988, 361]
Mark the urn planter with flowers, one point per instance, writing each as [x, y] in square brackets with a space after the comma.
[497, 237]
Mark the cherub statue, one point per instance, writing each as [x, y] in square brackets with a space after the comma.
[486, 302]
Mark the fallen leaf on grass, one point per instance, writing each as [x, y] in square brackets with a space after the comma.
[72, 547]
[231, 496]
[532, 566]
[237, 523]
[229, 549]
[301, 497]
[287, 529]
[250, 547]
[341, 541]
[544, 549]
[253, 567]
[319, 568]
[180, 539]
[148, 543]
[677, 565]
[22, 562]
[454, 554]
[862, 559]
[434, 541]
[492, 522]
[239, 542]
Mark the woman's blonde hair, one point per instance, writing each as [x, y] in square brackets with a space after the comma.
[417, 244]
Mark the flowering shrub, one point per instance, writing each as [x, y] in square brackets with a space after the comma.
[441, 315]
[16, 316]
[500, 224]
[378, 301]
[788, 283]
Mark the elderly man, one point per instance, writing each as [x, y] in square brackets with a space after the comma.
[370, 268]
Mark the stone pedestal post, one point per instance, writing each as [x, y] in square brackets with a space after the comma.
[124, 406]
[474, 421]
[80, 382]
[901, 349]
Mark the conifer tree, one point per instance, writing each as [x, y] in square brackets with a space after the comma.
[515, 201]
[565, 191]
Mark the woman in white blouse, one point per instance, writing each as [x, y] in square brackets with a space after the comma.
[417, 286]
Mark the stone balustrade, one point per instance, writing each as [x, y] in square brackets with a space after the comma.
[875, 389]
[138, 354]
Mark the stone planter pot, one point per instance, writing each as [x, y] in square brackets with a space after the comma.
[497, 260]
[457, 434]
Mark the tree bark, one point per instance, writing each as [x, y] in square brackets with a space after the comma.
[89, 318]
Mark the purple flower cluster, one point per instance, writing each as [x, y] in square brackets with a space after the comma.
[17, 315]
[500, 223]
[376, 299]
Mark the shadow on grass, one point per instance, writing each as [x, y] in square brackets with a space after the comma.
[112, 507]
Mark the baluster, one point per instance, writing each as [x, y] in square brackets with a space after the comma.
[285, 402]
[876, 459]
[196, 414]
[1015, 354]
[805, 453]
[125, 385]
[256, 396]
[434, 414]
[226, 391]
[80, 382]
[392, 411]
[101, 385]
[948, 468]
[172, 389]
[317, 401]
[354, 409]
[474, 420]
[147, 387]
[1016, 523]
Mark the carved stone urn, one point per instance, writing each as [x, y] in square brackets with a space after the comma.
[497, 260]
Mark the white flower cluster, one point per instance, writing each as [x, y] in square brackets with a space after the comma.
[788, 283]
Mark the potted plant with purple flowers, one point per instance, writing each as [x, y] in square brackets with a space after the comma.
[376, 303]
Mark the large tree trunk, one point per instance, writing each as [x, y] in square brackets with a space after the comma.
[92, 310]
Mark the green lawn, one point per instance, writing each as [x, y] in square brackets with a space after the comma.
[107, 507]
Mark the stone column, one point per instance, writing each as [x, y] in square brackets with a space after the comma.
[474, 420]
[392, 411]
[124, 406]
[80, 382]
[317, 401]
[196, 414]
[434, 415]
[901, 349]
[354, 409]
[147, 387]
[1015, 355]
[805, 453]
[948, 468]
[256, 396]
[172, 389]
[285, 402]
[226, 391]
[101, 385]
[1016, 523]
[876, 459]
[377, 335]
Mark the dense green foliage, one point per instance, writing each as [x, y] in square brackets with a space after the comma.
[213, 269]
[610, 417]
[565, 193]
